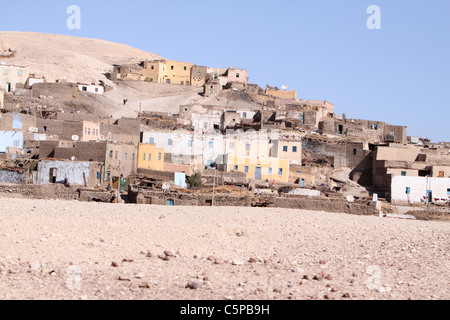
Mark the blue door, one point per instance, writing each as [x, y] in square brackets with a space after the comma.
[258, 172]
[302, 182]
[430, 195]
[170, 203]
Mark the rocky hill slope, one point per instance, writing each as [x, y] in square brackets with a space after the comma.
[67, 58]
[73, 59]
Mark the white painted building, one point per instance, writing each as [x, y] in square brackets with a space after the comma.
[420, 189]
[32, 81]
[184, 145]
[206, 123]
[10, 139]
[246, 114]
[91, 88]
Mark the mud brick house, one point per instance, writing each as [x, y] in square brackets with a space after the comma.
[198, 75]
[83, 130]
[118, 159]
[121, 130]
[127, 72]
[345, 153]
[366, 130]
[11, 77]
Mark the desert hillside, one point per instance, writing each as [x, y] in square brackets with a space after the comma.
[65, 57]
[74, 59]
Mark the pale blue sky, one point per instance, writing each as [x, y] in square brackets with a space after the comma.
[323, 49]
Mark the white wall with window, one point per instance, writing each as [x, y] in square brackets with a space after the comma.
[91, 89]
[417, 189]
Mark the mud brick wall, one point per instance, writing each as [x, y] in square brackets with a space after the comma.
[45, 192]
[327, 205]
[95, 195]
[61, 91]
[158, 175]
[83, 151]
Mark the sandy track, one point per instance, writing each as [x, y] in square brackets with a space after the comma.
[52, 249]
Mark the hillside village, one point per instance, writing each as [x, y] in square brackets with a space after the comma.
[249, 146]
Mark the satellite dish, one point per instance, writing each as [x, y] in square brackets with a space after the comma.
[284, 86]
[98, 140]
[73, 158]
[33, 129]
[166, 186]
[115, 141]
[350, 198]
[75, 138]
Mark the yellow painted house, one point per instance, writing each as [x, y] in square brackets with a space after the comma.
[153, 71]
[167, 71]
[248, 144]
[290, 149]
[150, 157]
[250, 152]
[260, 168]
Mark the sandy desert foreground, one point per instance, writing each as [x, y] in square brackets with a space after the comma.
[52, 249]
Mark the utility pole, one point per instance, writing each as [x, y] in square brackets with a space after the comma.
[118, 185]
[214, 185]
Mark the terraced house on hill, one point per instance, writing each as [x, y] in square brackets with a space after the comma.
[11, 76]
[167, 71]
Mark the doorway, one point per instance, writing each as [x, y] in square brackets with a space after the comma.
[258, 172]
[430, 195]
[52, 175]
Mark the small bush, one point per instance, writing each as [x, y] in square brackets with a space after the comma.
[194, 181]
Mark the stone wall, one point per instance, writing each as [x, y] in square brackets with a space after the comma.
[60, 91]
[325, 204]
[58, 191]
[156, 197]
[237, 178]
[7, 176]
[96, 195]
[157, 175]
[45, 192]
